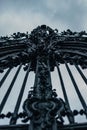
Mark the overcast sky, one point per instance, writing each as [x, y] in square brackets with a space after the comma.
[25, 15]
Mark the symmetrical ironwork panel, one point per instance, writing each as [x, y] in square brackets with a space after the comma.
[40, 52]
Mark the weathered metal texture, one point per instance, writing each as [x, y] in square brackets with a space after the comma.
[43, 49]
[42, 106]
[67, 46]
[81, 126]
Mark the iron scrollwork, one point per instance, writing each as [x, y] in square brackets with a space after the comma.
[45, 113]
[42, 106]
[43, 47]
[67, 46]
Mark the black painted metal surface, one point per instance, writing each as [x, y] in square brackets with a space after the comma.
[42, 51]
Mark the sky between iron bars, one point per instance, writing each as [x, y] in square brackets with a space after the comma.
[25, 15]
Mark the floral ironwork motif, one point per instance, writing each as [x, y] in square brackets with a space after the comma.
[42, 105]
[44, 47]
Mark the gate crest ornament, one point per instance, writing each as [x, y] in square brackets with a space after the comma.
[23, 47]
[40, 51]
[43, 107]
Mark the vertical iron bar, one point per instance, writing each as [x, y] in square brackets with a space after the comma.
[62, 85]
[81, 73]
[76, 88]
[9, 89]
[14, 118]
[4, 77]
[42, 82]
[36, 75]
[64, 91]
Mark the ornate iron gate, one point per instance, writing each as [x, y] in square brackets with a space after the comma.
[40, 52]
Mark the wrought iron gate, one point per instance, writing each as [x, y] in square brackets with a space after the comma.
[41, 52]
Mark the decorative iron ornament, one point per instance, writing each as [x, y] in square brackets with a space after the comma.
[63, 47]
[44, 48]
[42, 105]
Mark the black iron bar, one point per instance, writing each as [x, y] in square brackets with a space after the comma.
[4, 77]
[48, 63]
[81, 73]
[76, 88]
[63, 90]
[36, 76]
[37, 90]
[14, 117]
[62, 85]
[9, 89]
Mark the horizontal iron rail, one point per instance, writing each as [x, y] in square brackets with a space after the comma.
[76, 126]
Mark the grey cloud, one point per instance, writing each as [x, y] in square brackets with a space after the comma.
[70, 12]
[21, 5]
[62, 14]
